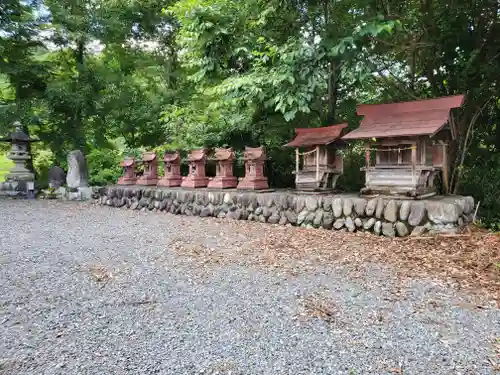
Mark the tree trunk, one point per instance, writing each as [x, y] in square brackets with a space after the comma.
[77, 125]
[332, 93]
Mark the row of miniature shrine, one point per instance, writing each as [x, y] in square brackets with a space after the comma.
[405, 154]
[254, 170]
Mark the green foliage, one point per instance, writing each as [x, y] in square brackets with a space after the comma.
[43, 159]
[353, 178]
[481, 180]
[104, 166]
[5, 166]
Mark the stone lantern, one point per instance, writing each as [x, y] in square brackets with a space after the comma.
[19, 181]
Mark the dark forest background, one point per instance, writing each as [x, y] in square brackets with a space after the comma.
[114, 77]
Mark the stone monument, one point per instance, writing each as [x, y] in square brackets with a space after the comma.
[196, 177]
[224, 178]
[77, 170]
[19, 181]
[172, 171]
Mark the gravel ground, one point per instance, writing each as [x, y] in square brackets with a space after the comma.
[95, 290]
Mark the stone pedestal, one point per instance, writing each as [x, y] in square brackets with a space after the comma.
[129, 177]
[150, 175]
[196, 177]
[172, 172]
[254, 170]
[224, 178]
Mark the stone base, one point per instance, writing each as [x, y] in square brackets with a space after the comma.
[349, 212]
[13, 188]
[253, 183]
[71, 194]
[127, 181]
[194, 182]
[223, 183]
[170, 181]
[144, 181]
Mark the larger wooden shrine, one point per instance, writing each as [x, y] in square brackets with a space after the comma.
[406, 145]
[318, 164]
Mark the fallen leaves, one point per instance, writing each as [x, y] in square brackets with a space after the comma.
[466, 262]
[322, 308]
[100, 273]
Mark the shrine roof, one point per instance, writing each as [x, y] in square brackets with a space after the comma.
[127, 162]
[197, 155]
[149, 156]
[171, 157]
[421, 117]
[254, 153]
[224, 153]
[316, 136]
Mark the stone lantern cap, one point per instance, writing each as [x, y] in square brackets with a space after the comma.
[18, 135]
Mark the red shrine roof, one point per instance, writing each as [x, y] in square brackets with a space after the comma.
[197, 155]
[127, 162]
[316, 136]
[171, 158]
[421, 117]
[224, 154]
[254, 153]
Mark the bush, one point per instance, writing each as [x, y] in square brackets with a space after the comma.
[43, 159]
[104, 166]
[353, 178]
[483, 183]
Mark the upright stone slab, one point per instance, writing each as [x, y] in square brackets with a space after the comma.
[77, 170]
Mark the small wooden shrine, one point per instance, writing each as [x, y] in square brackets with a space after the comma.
[321, 163]
[196, 177]
[129, 176]
[150, 174]
[172, 170]
[224, 178]
[410, 142]
[254, 179]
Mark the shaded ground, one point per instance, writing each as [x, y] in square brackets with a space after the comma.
[94, 290]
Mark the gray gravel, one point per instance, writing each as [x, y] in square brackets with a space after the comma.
[94, 290]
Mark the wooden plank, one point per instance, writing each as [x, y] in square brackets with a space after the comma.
[446, 181]
[413, 162]
[396, 142]
[317, 164]
[297, 163]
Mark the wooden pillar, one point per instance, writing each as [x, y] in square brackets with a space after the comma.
[445, 170]
[317, 163]
[423, 152]
[297, 164]
[367, 155]
[413, 162]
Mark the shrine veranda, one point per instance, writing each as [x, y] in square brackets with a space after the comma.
[386, 216]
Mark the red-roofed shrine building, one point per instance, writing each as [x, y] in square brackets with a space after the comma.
[409, 141]
[321, 163]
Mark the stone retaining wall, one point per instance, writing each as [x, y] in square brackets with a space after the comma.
[389, 217]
